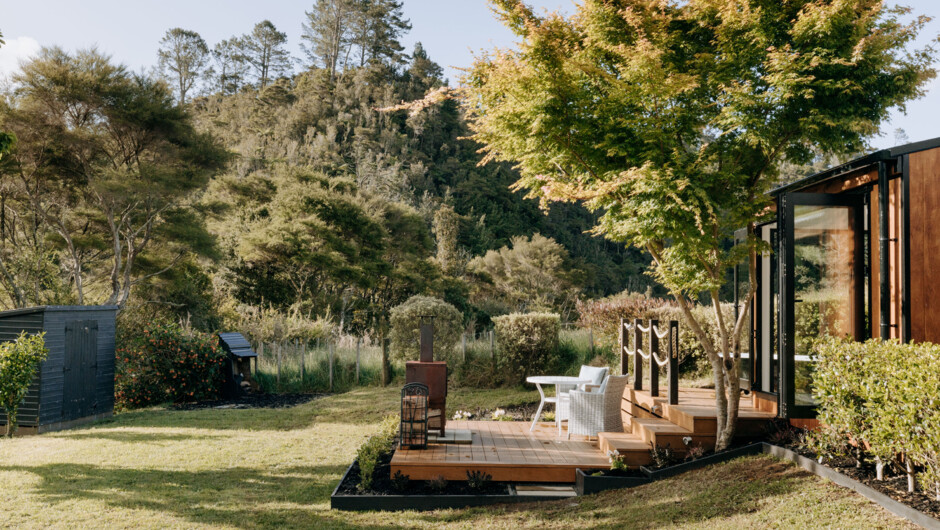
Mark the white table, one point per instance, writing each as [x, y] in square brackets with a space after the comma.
[557, 380]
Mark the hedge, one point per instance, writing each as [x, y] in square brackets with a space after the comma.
[527, 342]
[405, 321]
[884, 397]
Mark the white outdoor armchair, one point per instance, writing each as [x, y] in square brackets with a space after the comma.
[592, 412]
[595, 373]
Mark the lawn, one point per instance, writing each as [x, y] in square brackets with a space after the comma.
[256, 468]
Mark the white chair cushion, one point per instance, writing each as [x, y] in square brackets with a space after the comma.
[594, 373]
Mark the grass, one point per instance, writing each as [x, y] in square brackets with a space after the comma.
[254, 468]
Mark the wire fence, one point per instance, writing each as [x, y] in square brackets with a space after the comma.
[337, 365]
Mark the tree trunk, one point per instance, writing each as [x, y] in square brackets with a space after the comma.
[12, 412]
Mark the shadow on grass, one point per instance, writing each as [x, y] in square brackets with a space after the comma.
[132, 436]
[739, 487]
[358, 407]
[239, 497]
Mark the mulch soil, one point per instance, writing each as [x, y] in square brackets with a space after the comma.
[251, 401]
[894, 484]
[382, 484]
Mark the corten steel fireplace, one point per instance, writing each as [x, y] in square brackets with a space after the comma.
[431, 373]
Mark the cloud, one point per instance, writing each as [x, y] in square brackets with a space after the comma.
[14, 51]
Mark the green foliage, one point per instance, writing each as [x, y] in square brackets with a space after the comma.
[672, 119]
[406, 326]
[603, 317]
[262, 324]
[166, 363]
[618, 462]
[19, 362]
[100, 179]
[376, 447]
[183, 57]
[400, 481]
[534, 274]
[478, 480]
[883, 395]
[526, 342]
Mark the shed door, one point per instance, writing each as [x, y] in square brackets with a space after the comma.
[81, 367]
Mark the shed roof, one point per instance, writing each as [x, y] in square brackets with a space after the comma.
[236, 344]
[858, 163]
[57, 308]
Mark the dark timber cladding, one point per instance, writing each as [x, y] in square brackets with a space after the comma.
[76, 381]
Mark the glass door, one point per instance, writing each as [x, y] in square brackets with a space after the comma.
[823, 281]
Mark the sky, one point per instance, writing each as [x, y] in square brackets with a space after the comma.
[452, 31]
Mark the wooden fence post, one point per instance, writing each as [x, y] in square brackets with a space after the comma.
[591, 338]
[358, 341]
[673, 362]
[493, 344]
[303, 357]
[637, 358]
[330, 351]
[279, 347]
[386, 376]
[463, 346]
[654, 366]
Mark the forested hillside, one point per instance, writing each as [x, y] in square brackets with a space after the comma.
[235, 174]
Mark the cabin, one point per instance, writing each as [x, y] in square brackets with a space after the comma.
[75, 383]
[852, 250]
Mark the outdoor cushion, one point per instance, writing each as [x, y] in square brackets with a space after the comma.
[594, 373]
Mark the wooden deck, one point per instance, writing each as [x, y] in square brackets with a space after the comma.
[507, 451]
[510, 452]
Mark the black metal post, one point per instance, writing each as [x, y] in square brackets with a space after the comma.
[673, 362]
[884, 243]
[654, 366]
[637, 358]
[905, 248]
[624, 364]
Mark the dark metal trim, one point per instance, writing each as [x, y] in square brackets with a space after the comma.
[787, 407]
[857, 164]
[904, 163]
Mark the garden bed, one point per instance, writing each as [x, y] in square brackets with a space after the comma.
[893, 487]
[590, 481]
[386, 495]
[658, 473]
[258, 400]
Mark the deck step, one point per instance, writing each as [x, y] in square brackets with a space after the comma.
[635, 451]
[663, 433]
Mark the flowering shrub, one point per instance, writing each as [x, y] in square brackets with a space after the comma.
[618, 462]
[19, 361]
[167, 363]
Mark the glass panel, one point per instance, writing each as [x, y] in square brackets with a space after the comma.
[824, 254]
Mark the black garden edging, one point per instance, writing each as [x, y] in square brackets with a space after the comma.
[893, 506]
[587, 484]
[345, 502]
[724, 456]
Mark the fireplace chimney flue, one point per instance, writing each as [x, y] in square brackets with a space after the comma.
[427, 338]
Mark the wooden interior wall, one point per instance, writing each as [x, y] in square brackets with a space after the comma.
[924, 173]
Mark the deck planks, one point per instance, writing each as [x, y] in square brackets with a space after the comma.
[507, 451]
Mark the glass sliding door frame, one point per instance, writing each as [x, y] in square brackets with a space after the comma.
[787, 406]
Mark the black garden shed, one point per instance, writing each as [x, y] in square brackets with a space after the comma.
[75, 383]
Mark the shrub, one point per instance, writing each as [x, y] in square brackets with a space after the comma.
[406, 325]
[881, 395]
[603, 317]
[19, 361]
[167, 363]
[266, 324]
[371, 452]
[527, 341]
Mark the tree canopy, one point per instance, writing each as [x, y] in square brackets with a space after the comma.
[672, 120]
